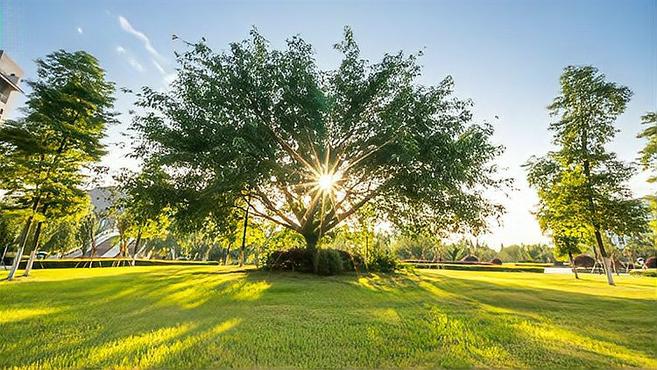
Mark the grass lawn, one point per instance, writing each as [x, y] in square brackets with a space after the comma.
[208, 316]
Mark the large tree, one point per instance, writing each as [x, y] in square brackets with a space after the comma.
[66, 114]
[308, 148]
[582, 187]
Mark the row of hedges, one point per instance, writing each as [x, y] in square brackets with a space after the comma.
[106, 262]
[476, 267]
[648, 273]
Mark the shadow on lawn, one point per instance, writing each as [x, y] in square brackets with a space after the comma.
[191, 318]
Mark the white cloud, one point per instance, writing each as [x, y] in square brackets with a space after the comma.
[80, 30]
[156, 58]
[159, 67]
[130, 59]
[126, 26]
[135, 64]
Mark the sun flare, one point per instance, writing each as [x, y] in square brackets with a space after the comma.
[326, 182]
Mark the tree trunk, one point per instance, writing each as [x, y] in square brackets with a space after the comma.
[572, 262]
[605, 257]
[311, 241]
[227, 254]
[246, 221]
[136, 250]
[596, 226]
[21, 246]
[2, 258]
[311, 245]
[37, 236]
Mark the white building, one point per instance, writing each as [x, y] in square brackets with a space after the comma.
[10, 76]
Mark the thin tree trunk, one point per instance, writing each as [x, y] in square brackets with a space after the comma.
[246, 221]
[596, 227]
[572, 262]
[21, 246]
[136, 250]
[94, 247]
[37, 236]
[2, 258]
[227, 254]
[36, 243]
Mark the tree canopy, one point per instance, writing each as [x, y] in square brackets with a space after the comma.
[310, 147]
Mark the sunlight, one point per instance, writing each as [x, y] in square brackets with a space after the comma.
[327, 181]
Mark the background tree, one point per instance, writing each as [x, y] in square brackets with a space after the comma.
[65, 118]
[582, 181]
[310, 148]
[648, 155]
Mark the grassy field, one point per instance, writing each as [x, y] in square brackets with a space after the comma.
[207, 316]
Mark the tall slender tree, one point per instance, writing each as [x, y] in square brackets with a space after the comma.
[582, 186]
[65, 119]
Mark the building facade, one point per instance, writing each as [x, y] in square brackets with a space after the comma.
[10, 77]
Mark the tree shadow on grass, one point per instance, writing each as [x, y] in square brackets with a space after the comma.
[194, 318]
[545, 327]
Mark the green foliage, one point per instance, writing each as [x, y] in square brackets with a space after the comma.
[384, 139]
[418, 247]
[383, 261]
[527, 253]
[649, 152]
[582, 187]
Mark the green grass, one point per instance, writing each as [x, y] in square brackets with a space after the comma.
[206, 316]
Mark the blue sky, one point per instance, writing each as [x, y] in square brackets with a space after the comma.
[505, 55]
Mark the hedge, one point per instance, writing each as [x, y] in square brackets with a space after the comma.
[473, 267]
[533, 264]
[106, 262]
[640, 272]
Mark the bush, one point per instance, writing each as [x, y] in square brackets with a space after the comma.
[651, 263]
[584, 260]
[325, 261]
[496, 261]
[350, 262]
[328, 262]
[470, 258]
[296, 259]
[383, 262]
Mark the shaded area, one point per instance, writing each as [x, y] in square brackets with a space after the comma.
[217, 317]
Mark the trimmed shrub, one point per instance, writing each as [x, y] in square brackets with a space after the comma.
[584, 260]
[496, 261]
[296, 259]
[470, 258]
[651, 263]
[328, 262]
